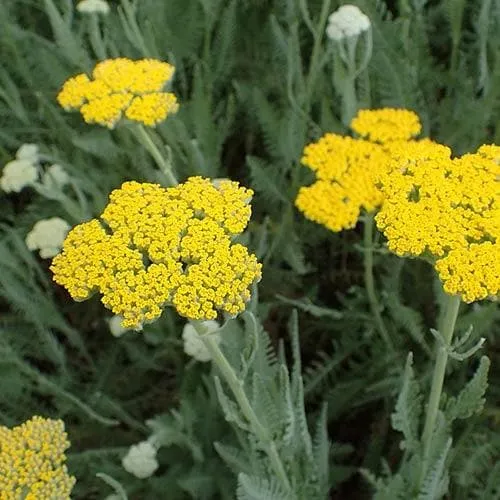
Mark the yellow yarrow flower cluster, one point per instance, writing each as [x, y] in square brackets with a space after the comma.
[386, 124]
[448, 210]
[32, 461]
[121, 87]
[163, 246]
[348, 169]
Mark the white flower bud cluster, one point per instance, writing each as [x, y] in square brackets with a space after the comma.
[25, 170]
[55, 177]
[115, 326]
[141, 460]
[194, 345]
[47, 236]
[21, 172]
[347, 21]
[93, 7]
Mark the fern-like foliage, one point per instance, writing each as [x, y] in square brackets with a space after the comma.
[276, 395]
[471, 399]
[255, 488]
[406, 417]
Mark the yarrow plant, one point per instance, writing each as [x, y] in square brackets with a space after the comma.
[427, 204]
[55, 177]
[125, 90]
[446, 211]
[29, 152]
[348, 172]
[121, 88]
[32, 461]
[162, 246]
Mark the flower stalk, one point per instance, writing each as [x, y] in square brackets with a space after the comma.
[163, 163]
[369, 280]
[96, 37]
[448, 326]
[238, 391]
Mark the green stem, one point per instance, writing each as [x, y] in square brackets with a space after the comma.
[96, 38]
[236, 386]
[448, 326]
[161, 161]
[370, 283]
[317, 49]
[59, 391]
[349, 101]
[456, 10]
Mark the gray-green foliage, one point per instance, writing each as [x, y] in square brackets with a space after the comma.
[426, 475]
[276, 394]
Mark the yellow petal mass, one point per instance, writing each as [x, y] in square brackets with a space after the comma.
[162, 246]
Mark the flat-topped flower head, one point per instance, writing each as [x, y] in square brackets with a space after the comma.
[447, 210]
[32, 461]
[121, 88]
[347, 170]
[162, 246]
[386, 124]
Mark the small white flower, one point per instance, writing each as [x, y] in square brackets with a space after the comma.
[18, 174]
[141, 460]
[347, 21]
[55, 177]
[93, 6]
[28, 152]
[115, 326]
[194, 345]
[47, 236]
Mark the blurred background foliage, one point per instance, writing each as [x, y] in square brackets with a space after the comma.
[254, 81]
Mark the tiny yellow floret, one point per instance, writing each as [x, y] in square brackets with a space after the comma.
[32, 461]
